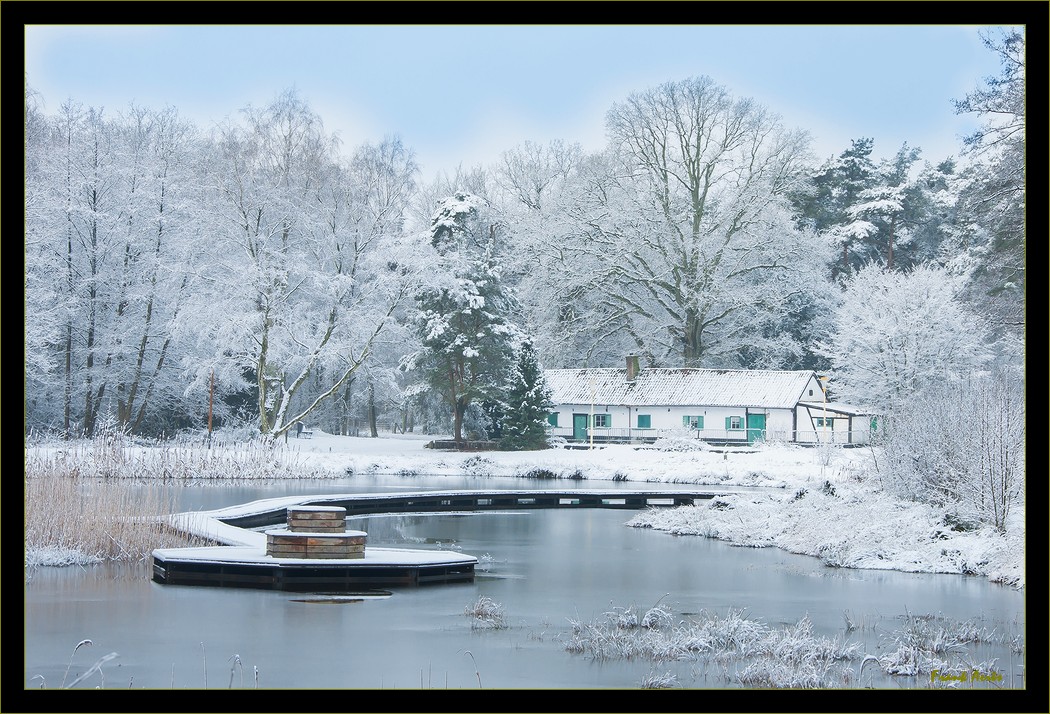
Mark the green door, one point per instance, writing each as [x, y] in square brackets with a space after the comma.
[756, 427]
[579, 427]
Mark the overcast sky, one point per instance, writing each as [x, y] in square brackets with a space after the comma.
[461, 94]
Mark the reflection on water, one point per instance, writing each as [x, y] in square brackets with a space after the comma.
[550, 570]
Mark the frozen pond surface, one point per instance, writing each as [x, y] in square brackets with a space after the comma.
[546, 568]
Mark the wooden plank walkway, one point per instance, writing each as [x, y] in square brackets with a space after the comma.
[270, 511]
[242, 559]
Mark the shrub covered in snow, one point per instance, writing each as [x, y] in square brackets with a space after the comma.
[680, 440]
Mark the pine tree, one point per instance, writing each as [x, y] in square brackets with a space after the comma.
[836, 187]
[464, 316]
[528, 403]
[993, 198]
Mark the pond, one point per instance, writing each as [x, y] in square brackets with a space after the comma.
[556, 577]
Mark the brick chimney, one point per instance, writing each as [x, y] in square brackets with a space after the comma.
[632, 367]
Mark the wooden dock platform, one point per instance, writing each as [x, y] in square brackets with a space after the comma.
[248, 567]
[241, 557]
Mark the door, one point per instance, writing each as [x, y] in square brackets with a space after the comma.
[579, 427]
[756, 427]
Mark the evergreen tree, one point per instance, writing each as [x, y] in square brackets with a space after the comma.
[881, 216]
[464, 314]
[836, 187]
[528, 403]
[993, 199]
[466, 338]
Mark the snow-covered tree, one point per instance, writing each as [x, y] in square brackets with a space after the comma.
[112, 216]
[879, 219]
[531, 173]
[558, 265]
[369, 205]
[527, 404]
[934, 215]
[897, 333]
[823, 201]
[994, 196]
[45, 279]
[961, 446]
[316, 249]
[883, 211]
[464, 318]
[537, 188]
[688, 241]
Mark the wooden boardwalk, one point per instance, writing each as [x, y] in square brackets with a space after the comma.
[241, 558]
[271, 511]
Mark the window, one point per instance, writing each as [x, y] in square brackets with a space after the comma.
[645, 421]
[830, 422]
[692, 422]
[811, 392]
[602, 420]
[734, 422]
[552, 418]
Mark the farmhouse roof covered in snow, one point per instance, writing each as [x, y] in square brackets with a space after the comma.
[680, 387]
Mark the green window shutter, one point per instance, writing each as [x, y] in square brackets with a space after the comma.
[727, 423]
[699, 422]
[552, 418]
[645, 421]
[685, 422]
[608, 420]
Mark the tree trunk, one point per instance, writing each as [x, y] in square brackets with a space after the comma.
[691, 339]
[458, 412]
[67, 395]
[889, 250]
[372, 429]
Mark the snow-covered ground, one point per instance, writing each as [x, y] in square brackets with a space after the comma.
[821, 502]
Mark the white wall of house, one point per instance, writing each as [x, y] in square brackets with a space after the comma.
[805, 425]
[813, 392]
[621, 422]
[812, 421]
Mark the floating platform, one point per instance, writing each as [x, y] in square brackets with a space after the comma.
[314, 552]
[251, 559]
[251, 567]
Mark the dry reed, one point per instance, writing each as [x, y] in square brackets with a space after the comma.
[105, 501]
[70, 519]
[106, 498]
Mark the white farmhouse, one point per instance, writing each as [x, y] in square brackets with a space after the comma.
[716, 405]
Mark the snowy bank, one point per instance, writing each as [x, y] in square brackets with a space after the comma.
[847, 523]
[825, 502]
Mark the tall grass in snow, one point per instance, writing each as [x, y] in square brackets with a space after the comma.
[71, 520]
[755, 655]
[763, 656]
[486, 613]
[105, 499]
